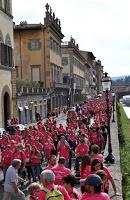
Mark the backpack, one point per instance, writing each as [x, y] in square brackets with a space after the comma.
[54, 194]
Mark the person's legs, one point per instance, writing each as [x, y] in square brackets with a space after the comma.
[29, 172]
[34, 172]
[38, 171]
[4, 172]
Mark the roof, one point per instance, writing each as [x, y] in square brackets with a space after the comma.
[25, 26]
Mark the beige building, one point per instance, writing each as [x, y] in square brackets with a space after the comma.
[7, 100]
[99, 75]
[91, 74]
[38, 59]
[74, 65]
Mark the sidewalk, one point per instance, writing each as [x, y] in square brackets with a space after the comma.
[59, 120]
[115, 168]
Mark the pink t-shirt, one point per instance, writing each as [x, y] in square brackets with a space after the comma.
[74, 194]
[97, 156]
[7, 157]
[60, 171]
[82, 149]
[63, 149]
[86, 172]
[48, 147]
[96, 196]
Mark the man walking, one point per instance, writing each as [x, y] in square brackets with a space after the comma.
[11, 190]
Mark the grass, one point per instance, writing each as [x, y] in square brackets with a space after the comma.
[124, 140]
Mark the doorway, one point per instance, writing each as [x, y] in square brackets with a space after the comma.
[6, 109]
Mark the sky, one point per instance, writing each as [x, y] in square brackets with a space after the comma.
[99, 26]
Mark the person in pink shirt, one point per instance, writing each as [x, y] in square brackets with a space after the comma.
[6, 159]
[51, 162]
[85, 168]
[36, 163]
[27, 152]
[93, 188]
[63, 149]
[60, 171]
[38, 144]
[96, 153]
[19, 154]
[48, 148]
[69, 182]
[97, 165]
[34, 191]
[12, 146]
[82, 149]
[47, 181]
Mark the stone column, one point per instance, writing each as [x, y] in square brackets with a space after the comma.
[13, 81]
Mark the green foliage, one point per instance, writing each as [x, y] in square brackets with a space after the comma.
[29, 84]
[124, 140]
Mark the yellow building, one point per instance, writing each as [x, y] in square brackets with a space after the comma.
[7, 99]
[38, 58]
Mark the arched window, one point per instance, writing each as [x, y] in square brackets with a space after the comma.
[8, 40]
[1, 45]
[7, 52]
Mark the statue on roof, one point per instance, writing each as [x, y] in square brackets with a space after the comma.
[47, 7]
[53, 15]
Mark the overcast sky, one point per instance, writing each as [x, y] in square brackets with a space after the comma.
[100, 26]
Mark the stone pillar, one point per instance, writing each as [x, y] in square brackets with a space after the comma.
[13, 81]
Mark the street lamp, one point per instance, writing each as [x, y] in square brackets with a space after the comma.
[106, 85]
[113, 106]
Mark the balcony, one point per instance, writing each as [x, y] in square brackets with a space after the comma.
[31, 91]
[59, 85]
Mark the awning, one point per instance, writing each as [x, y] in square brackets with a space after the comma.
[26, 107]
[20, 108]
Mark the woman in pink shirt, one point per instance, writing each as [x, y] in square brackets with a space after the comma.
[96, 153]
[85, 168]
[97, 165]
[69, 182]
[6, 159]
[27, 152]
[36, 163]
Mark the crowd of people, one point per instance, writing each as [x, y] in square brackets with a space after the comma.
[73, 155]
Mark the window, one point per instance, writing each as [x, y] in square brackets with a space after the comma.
[35, 70]
[7, 6]
[52, 77]
[17, 71]
[8, 40]
[51, 43]
[65, 61]
[4, 54]
[34, 45]
[0, 3]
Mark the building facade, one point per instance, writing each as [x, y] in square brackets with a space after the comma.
[73, 71]
[7, 96]
[38, 60]
[99, 75]
[91, 74]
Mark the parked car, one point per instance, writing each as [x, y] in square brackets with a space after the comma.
[11, 129]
